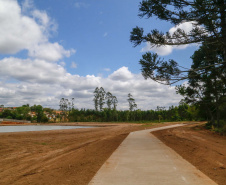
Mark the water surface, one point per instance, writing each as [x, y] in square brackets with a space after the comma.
[26, 128]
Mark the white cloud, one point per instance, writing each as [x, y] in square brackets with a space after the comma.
[17, 32]
[81, 5]
[50, 51]
[33, 71]
[28, 30]
[73, 65]
[62, 63]
[162, 50]
[6, 92]
[27, 5]
[42, 17]
[166, 50]
[122, 74]
[186, 26]
[47, 25]
[40, 82]
[107, 69]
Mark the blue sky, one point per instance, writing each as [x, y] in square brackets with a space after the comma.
[67, 48]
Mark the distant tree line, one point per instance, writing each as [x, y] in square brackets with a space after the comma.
[105, 104]
[183, 112]
[24, 113]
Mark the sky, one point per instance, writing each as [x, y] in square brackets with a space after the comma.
[55, 49]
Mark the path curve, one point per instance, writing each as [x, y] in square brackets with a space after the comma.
[142, 159]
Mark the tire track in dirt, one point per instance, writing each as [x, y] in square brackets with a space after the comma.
[56, 157]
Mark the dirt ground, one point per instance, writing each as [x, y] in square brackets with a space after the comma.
[58, 157]
[66, 157]
[202, 148]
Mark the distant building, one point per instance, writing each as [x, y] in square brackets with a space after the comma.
[32, 114]
[9, 108]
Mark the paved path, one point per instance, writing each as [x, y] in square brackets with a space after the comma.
[142, 159]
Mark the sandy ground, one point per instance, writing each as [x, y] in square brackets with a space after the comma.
[58, 157]
[74, 156]
[204, 149]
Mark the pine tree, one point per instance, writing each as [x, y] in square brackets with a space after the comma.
[206, 88]
[208, 18]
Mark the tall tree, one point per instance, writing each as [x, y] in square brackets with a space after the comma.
[131, 101]
[39, 113]
[72, 103]
[115, 102]
[206, 88]
[96, 98]
[109, 98]
[111, 101]
[99, 98]
[209, 25]
[102, 95]
[64, 106]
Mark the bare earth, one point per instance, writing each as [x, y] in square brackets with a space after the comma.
[58, 157]
[74, 156]
[202, 148]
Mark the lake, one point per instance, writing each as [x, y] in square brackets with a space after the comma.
[26, 128]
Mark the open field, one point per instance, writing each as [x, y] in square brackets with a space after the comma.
[74, 156]
[58, 157]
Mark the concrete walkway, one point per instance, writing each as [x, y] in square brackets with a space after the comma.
[142, 159]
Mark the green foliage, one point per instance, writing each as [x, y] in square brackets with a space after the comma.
[208, 125]
[208, 19]
[207, 89]
[221, 129]
[156, 68]
[39, 113]
[7, 113]
[181, 113]
[49, 110]
[44, 119]
[224, 129]
[131, 102]
[101, 98]
[65, 106]
[23, 113]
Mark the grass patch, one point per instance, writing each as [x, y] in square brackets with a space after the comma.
[221, 129]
